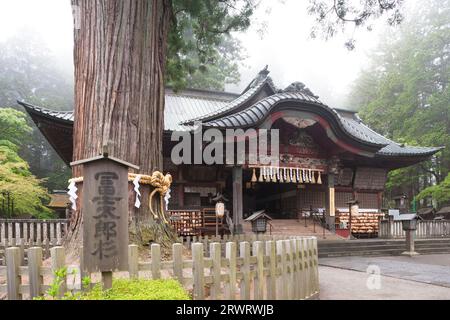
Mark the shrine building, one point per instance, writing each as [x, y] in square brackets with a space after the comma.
[327, 156]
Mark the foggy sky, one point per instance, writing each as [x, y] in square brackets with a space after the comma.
[326, 67]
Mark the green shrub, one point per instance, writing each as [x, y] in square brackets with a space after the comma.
[126, 289]
[122, 289]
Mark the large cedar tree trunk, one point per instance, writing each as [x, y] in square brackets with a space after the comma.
[120, 56]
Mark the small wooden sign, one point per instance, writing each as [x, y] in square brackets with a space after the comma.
[105, 214]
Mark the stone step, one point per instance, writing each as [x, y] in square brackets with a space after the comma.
[380, 247]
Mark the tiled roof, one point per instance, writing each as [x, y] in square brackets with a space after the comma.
[348, 120]
[186, 105]
[236, 103]
[179, 107]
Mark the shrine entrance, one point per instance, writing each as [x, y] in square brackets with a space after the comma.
[283, 200]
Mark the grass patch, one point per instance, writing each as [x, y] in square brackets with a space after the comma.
[126, 289]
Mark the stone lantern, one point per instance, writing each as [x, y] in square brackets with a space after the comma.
[409, 224]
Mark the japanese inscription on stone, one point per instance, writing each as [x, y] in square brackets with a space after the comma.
[105, 212]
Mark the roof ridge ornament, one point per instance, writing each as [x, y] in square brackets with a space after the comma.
[300, 87]
[261, 76]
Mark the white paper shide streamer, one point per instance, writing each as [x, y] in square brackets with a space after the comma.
[73, 194]
[136, 180]
[166, 199]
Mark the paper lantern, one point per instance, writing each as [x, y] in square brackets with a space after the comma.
[220, 209]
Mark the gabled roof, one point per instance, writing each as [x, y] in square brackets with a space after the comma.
[250, 93]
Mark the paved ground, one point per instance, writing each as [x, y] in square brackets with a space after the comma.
[421, 277]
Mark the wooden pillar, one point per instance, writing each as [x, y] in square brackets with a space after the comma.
[237, 200]
[330, 201]
[180, 188]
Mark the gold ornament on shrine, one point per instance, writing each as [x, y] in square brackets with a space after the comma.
[286, 175]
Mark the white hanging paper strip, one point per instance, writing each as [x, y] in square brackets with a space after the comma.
[298, 175]
[73, 194]
[166, 199]
[136, 180]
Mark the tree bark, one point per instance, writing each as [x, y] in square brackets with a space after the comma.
[120, 57]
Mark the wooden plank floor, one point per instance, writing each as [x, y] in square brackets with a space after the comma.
[294, 227]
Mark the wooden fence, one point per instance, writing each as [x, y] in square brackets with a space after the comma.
[29, 233]
[389, 229]
[268, 269]
[32, 232]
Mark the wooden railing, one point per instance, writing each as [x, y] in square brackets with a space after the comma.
[271, 269]
[425, 229]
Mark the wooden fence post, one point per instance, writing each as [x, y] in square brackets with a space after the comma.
[133, 261]
[25, 233]
[245, 269]
[281, 279]
[156, 261]
[230, 254]
[271, 280]
[316, 257]
[294, 265]
[177, 252]
[198, 271]
[3, 234]
[17, 231]
[58, 258]
[301, 268]
[32, 242]
[216, 256]
[36, 279]
[290, 270]
[307, 268]
[13, 277]
[22, 252]
[10, 233]
[259, 282]
[58, 234]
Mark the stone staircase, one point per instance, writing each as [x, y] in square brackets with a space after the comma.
[379, 247]
[296, 227]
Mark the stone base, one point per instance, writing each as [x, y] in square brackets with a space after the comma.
[410, 253]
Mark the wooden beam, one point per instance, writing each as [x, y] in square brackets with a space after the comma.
[237, 200]
[330, 201]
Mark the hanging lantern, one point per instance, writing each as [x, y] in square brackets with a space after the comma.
[293, 176]
[299, 176]
[313, 180]
[254, 179]
[319, 179]
[273, 173]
